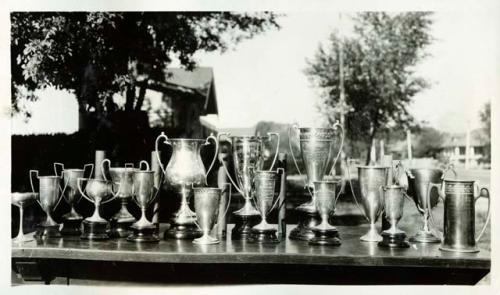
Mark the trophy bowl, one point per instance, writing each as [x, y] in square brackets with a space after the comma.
[22, 200]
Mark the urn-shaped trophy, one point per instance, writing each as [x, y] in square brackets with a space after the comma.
[185, 170]
[316, 150]
[249, 156]
[326, 196]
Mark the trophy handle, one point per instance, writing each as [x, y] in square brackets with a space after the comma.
[277, 135]
[428, 201]
[115, 195]
[487, 196]
[229, 200]
[352, 190]
[56, 170]
[342, 187]
[382, 190]
[281, 171]
[129, 165]
[162, 135]
[79, 184]
[154, 197]
[449, 168]
[335, 126]
[295, 126]
[225, 166]
[399, 174]
[207, 142]
[102, 168]
[64, 190]
[145, 164]
[91, 169]
[31, 179]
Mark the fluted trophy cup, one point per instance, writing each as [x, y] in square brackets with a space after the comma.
[123, 177]
[249, 156]
[326, 197]
[265, 199]
[371, 179]
[72, 220]
[206, 204]
[316, 146]
[144, 193]
[98, 192]
[49, 196]
[184, 170]
[22, 200]
[394, 196]
[424, 185]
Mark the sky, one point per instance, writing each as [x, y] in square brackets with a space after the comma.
[263, 79]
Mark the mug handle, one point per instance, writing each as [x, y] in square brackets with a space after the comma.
[162, 135]
[277, 135]
[225, 166]
[207, 142]
[487, 196]
[335, 126]
[145, 164]
[102, 168]
[348, 168]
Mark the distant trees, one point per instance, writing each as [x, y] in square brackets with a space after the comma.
[485, 116]
[379, 72]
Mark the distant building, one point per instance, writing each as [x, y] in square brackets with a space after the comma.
[454, 148]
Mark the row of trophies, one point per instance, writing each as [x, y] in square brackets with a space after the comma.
[382, 188]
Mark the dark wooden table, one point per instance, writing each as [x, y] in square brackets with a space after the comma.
[70, 260]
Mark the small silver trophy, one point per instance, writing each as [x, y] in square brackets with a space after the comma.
[393, 207]
[22, 200]
[325, 199]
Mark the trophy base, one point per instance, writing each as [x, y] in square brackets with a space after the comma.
[45, 231]
[182, 232]
[71, 227]
[325, 237]
[304, 230]
[120, 229]
[425, 237]
[94, 230]
[263, 236]
[393, 240]
[242, 229]
[143, 235]
[473, 249]
[206, 240]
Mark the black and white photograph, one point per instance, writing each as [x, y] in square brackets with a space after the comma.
[208, 148]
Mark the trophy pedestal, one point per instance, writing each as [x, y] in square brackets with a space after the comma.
[93, 230]
[425, 237]
[325, 237]
[120, 228]
[242, 229]
[263, 236]
[72, 227]
[182, 232]
[393, 240]
[45, 231]
[146, 234]
[304, 230]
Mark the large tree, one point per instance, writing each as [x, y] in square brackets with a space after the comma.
[379, 72]
[97, 54]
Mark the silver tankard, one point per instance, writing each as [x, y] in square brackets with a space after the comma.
[460, 197]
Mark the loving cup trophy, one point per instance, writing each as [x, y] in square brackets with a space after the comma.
[49, 196]
[185, 170]
[206, 204]
[72, 220]
[460, 197]
[249, 156]
[316, 153]
[325, 198]
[98, 192]
[22, 200]
[144, 193]
[394, 196]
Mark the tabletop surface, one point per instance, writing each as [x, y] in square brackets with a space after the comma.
[352, 252]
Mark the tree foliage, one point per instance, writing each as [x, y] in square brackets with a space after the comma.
[485, 116]
[97, 54]
[379, 72]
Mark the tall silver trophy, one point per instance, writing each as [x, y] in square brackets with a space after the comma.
[424, 185]
[72, 220]
[316, 145]
[371, 179]
[185, 170]
[249, 154]
[22, 200]
[326, 196]
[394, 196]
[121, 177]
[206, 203]
[144, 193]
[49, 196]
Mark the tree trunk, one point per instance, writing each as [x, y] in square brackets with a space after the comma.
[130, 97]
[140, 98]
[370, 145]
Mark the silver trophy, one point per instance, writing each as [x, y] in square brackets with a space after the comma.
[316, 146]
[98, 192]
[325, 201]
[122, 177]
[144, 193]
[424, 185]
[371, 182]
[265, 193]
[206, 204]
[185, 170]
[393, 207]
[22, 200]
[49, 196]
[72, 220]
